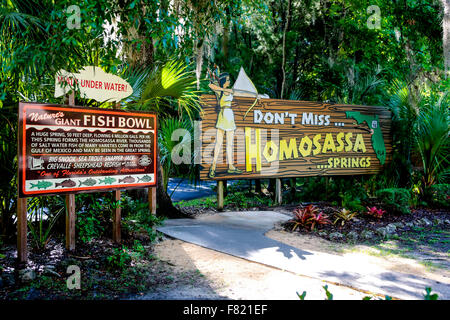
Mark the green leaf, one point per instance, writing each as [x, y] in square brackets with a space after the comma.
[302, 296]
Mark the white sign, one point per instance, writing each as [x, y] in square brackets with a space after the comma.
[92, 83]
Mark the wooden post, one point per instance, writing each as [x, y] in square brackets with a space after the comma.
[70, 206]
[278, 195]
[71, 218]
[152, 199]
[117, 212]
[22, 250]
[293, 188]
[220, 194]
[117, 216]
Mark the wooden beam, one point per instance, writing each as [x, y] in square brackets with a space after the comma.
[117, 219]
[71, 219]
[22, 249]
[152, 199]
[278, 194]
[220, 194]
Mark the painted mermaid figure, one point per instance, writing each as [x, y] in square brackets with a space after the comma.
[225, 123]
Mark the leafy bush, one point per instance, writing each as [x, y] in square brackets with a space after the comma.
[395, 200]
[93, 218]
[344, 216]
[44, 213]
[138, 217]
[119, 259]
[438, 195]
[308, 217]
[350, 201]
[375, 212]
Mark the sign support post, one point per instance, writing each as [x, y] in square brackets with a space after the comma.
[152, 199]
[220, 194]
[22, 250]
[117, 212]
[278, 193]
[117, 216]
[71, 217]
[70, 222]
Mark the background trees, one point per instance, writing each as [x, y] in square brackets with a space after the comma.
[353, 51]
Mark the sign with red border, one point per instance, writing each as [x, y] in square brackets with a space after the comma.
[66, 149]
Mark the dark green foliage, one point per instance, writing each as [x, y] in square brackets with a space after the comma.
[395, 200]
[120, 259]
[93, 217]
[351, 202]
[138, 217]
[44, 214]
[438, 195]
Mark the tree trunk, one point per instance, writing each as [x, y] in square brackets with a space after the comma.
[199, 61]
[165, 206]
[283, 62]
[446, 36]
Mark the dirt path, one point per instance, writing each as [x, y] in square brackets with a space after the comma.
[228, 277]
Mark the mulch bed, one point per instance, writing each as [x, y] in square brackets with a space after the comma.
[363, 222]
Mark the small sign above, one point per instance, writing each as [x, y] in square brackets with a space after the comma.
[92, 83]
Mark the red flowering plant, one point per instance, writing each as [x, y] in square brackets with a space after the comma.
[309, 216]
[375, 212]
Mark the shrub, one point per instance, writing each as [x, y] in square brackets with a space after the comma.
[308, 217]
[438, 195]
[350, 201]
[375, 212]
[344, 216]
[395, 200]
[119, 259]
[138, 217]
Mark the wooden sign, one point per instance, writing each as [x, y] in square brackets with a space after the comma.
[70, 149]
[92, 83]
[275, 138]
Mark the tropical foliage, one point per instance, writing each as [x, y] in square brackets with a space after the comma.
[358, 52]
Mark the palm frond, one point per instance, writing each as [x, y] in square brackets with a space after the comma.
[171, 81]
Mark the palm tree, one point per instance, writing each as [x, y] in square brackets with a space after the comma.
[432, 139]
[171, 91]
[421, 129]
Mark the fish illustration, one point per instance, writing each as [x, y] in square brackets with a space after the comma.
[145, 178]
[88, 182]
[107, 180]
[66, 184]
[41, 185]
[127, 179]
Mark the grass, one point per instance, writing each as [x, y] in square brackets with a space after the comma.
[414, 244]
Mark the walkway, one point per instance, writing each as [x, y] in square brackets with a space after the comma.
[241, 234]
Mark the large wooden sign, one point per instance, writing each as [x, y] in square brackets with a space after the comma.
[285, 138]
[70, 149]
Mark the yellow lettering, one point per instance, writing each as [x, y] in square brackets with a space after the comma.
[270, 146]
[328, 144]
[252, 150]
[349, 146]
[359, 143]
[305, 140]
[316, 142]
[339, 138]
[287, 152]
